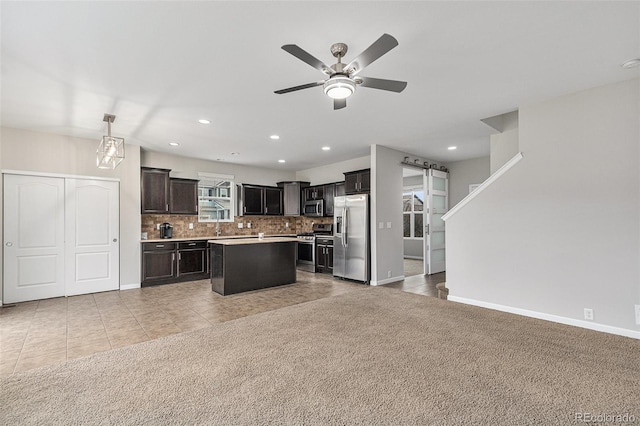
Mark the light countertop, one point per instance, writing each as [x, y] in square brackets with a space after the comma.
[241, 241]
[212, 239]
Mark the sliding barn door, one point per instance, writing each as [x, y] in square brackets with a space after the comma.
[92, 236]
[33, 238]
[437, 185]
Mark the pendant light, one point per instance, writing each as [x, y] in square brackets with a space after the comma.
[111, 149]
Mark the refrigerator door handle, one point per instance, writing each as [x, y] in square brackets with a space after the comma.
[345, 227]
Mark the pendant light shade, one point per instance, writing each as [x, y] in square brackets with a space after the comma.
[110, 151]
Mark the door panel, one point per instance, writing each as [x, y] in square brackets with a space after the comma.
[437, 184]
[92, 236]
[33, 238]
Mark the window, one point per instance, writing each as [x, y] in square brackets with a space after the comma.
[216, 195]
[412, 210]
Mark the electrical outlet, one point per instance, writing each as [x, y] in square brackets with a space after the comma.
[158, 227]
[637, 314]
[191, 226]
[248, 224]
[588, 314]
[286, 225]
[388, 225]
[240, 225]
[389, 274]
[381, 225]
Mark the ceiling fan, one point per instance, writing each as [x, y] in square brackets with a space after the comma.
[343, 79]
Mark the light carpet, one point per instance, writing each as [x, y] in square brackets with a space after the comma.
[371, 356]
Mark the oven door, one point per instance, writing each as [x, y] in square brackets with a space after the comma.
[306, 255]
[314, 208]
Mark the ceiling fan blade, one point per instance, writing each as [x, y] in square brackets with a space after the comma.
[339, 103]
[305, 56]
[382, 84]
[304, 86]
[379, 47]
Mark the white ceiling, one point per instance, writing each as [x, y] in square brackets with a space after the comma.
[161, 66]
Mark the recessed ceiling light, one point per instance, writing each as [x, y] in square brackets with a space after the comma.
[203, 121]
[235, 153]
[281, 161]
[326, 148]
[451, 148]
[174, 144]
[274, 137]
[631, 63]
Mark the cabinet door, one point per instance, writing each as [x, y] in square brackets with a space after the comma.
[192, 262]
[340, 189]
[329, 193]
[183, 196]
[329, 258]
[365, 181]
[154, 186]
[253, 197]
[291, 199]
[321, 263]
[158, 265]
[273, 201]
[351, 183]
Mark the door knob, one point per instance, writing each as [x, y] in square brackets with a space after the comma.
[9, 244]
[115, 240]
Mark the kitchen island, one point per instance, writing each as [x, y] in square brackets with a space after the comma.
[239, 265]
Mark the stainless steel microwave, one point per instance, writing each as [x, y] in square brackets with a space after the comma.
[314, 208]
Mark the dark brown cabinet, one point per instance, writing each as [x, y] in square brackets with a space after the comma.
[192, 259]
[261, 200]
[273, 205]
[158, 263]
[314, 193]
[164, 263]
[154, 186]
[329, 193]
[357, 182]
[183, 198]
[293, 196]
[324, 255]
[340, 189]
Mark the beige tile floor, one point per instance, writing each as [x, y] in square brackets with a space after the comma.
[52, 331]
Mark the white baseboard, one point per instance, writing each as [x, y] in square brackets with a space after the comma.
[549, 317]
[130, 286]
[387, 280]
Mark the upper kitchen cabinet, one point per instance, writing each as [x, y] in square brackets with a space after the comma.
[340, 189]
[292, 195]
[154, 184]
[261, 200]
[314, 193]
[183, 198]
[357, 182]
[329, 193]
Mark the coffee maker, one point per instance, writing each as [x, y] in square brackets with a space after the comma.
[166, 230]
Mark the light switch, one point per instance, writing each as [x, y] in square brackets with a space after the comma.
[240, 225]
[381, 225]
[191, 226]
[248, 224]
[388, 225]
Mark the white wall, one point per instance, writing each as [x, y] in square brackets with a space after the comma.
[185, 167]
[332, 172]
[503, 146]
[559, 232]
[24, 150]
[464, 173]
[386, 206]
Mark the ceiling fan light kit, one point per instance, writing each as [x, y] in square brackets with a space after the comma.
[342, 79]
[339, 87]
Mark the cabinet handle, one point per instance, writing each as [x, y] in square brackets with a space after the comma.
[179, 256]
[173, 257]
[192, 244]
[266, 209]
[159, 245]
[167, 207]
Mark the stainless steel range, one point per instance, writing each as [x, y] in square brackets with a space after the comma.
[307, 246]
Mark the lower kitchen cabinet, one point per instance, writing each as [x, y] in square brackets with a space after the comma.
[324, 257]
[165, 263]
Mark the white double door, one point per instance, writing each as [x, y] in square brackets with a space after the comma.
[61, 237]
[436, 183]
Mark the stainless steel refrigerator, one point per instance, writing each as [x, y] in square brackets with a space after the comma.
[351, 237]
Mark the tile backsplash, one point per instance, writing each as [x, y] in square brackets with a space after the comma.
[267, 224]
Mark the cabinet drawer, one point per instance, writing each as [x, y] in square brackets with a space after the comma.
[192, 245]
[158, 246]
